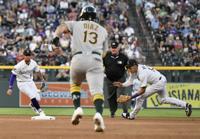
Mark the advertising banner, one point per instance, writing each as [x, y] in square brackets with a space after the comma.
[58, 95]
[189, 92]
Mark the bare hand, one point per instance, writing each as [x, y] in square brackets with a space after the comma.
[118, 84]
[9, 92]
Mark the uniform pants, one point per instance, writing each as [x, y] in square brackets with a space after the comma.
[160, 89]
[113, 93]
[89, 67]
[30, 89]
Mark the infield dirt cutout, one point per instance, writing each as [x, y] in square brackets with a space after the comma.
[22, 127]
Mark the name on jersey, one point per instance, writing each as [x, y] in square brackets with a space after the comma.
[25, 72]
[90, 26]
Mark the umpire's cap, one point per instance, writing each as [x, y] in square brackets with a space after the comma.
[130, 63]
[88, 13]
[114, 44]
[27, 52]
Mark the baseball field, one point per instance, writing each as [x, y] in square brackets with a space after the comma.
[16, 123]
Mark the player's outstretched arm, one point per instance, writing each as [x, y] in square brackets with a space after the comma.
[11, 83]
[118, 84]
[139, 92]
[126, 98]
[59, 31]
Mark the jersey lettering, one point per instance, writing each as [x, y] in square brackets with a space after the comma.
[93, 39]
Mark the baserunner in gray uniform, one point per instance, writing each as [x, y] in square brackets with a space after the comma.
[89, 42]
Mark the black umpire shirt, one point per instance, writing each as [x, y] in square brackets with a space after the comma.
[115, 65]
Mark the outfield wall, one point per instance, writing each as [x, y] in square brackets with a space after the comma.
[58, 95]
[185, 85]
[189, 92]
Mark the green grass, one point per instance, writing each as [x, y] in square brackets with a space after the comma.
[91, 111]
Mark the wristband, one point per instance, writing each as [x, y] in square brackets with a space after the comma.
[136, 94]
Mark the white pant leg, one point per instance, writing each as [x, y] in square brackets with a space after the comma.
[169, 100]
[138, 106]
[95, 76]
[150, 90]
[30, 89]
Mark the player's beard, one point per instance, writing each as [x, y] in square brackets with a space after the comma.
[27, 61]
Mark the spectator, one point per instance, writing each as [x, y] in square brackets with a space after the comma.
[175, 27]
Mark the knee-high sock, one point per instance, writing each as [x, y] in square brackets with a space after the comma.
[98, 100]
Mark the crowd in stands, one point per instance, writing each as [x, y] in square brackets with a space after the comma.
[31, 24]
[175, 26]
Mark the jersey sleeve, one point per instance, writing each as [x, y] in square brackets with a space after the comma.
[143, 79]
[129, 81]
[36, 68]
[136, 84]
[16, 69]
[70, 25]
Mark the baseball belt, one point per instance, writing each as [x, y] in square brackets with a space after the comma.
[93, 52]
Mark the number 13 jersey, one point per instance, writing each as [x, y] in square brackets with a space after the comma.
[88, 36]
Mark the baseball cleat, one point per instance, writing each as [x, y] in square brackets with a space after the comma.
[188, 109]
[43, 118]
[41, 113]
[127, 116]
[77, 115]
[98, 123]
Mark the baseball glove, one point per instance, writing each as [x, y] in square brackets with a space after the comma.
[123, 98]
[44, 87]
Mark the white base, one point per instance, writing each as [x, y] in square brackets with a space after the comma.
[43, 118]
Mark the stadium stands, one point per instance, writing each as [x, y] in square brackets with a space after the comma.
[175, 27]
[31, 23]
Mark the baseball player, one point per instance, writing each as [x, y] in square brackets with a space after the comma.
[148, 75]
[23, 73]
[89, 42]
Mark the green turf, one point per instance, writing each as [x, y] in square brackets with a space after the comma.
[90, 111]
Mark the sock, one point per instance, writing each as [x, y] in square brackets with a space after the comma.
[76, 96]
[99, 105]
[35, 103]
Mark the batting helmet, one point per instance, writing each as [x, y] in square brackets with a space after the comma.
[27, 52]
[88, 13]
[131, 62]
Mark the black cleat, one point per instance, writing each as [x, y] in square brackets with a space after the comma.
[127, 116]
[112, 115]
[188, 109]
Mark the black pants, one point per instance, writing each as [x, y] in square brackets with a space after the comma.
[112, 94]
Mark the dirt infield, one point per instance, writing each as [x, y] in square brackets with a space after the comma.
[20, 127]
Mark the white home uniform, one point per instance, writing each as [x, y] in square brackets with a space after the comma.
[148, 75]
[24, 74]
[89, 42]
[135, 87]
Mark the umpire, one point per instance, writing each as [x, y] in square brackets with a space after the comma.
[114, 63]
